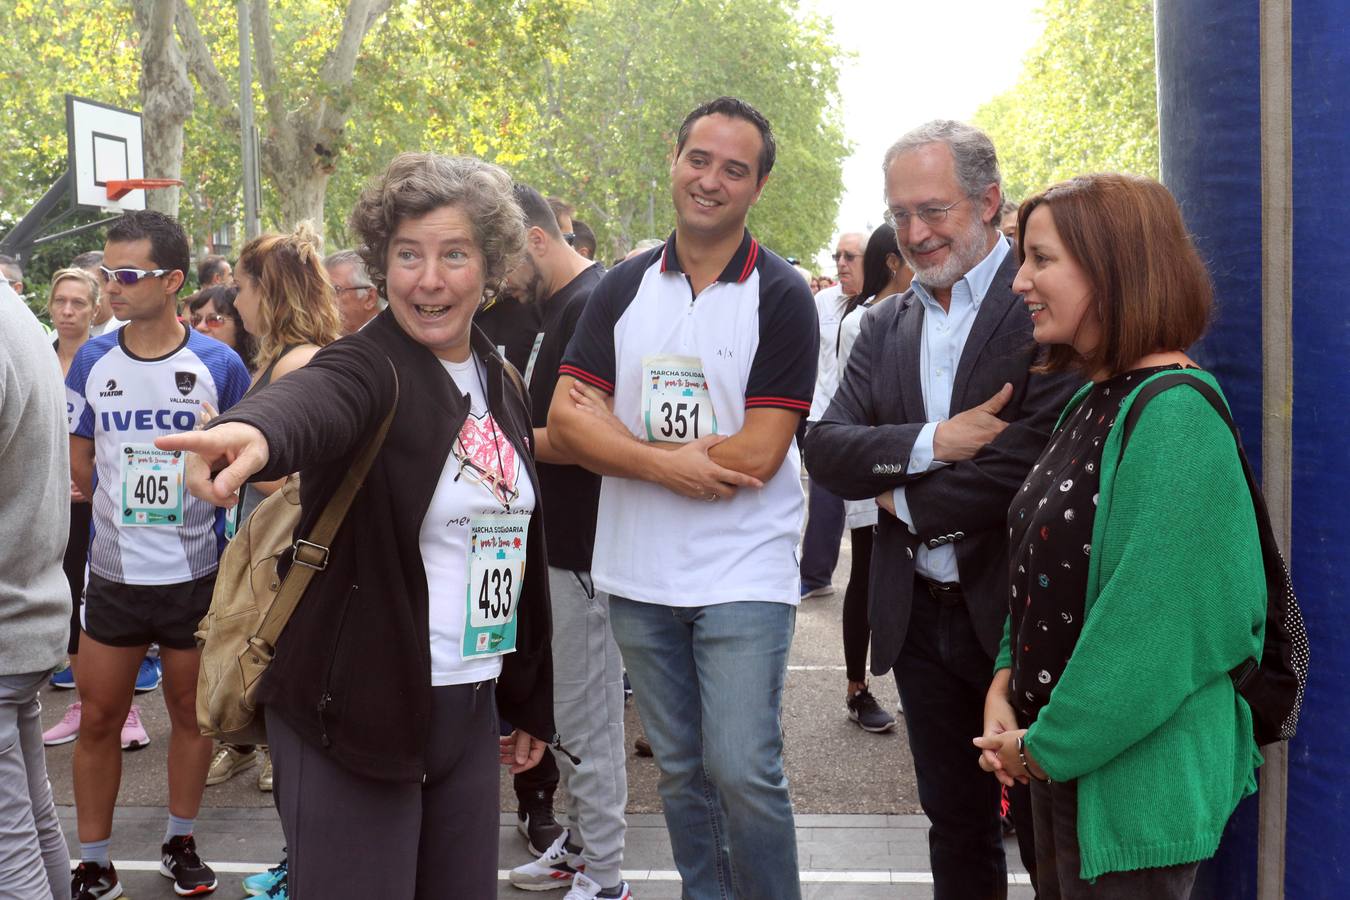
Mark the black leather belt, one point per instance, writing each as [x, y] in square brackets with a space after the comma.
[947, 593]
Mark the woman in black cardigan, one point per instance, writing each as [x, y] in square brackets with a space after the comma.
[434, 601]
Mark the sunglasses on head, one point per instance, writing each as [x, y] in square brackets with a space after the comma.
[215, 320]
[128, 275]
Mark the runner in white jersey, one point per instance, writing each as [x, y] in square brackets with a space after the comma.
[154, 549]
[118, 401]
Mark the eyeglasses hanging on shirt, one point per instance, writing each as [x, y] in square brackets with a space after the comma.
[495, 483]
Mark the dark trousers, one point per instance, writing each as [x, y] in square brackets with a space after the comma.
[350, 836]
[943, 675]
[535, 787]
[857, 631]
[77, 553]
[824, 531]
[1055, 809]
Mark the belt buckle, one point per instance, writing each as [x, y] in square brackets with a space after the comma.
[944, 596]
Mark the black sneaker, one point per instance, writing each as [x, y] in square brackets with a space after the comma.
[535, 822]
[90, 881]
[180, 862]
[864, 709]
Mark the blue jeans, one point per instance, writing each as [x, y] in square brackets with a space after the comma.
[709, 687]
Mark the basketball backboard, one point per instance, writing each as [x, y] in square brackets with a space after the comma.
[104, 145]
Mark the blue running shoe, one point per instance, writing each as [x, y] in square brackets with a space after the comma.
[64, 680]
[260, 884]
[278, 891]
[150, 675]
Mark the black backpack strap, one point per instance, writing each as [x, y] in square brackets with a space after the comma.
[1169, 380]
[1269, 548]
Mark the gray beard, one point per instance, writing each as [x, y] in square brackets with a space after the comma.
[966, 252]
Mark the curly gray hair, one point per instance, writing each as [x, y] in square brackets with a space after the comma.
[976, 160]
[417, 183]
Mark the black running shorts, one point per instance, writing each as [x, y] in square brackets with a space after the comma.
[133, 615]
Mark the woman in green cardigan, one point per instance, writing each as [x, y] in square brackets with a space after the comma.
[1135, 587]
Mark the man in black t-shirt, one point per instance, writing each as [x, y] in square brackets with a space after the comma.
[587, 671]
[511, 324]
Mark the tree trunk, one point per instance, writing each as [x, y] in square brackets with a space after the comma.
[166, 99]
[302, 200]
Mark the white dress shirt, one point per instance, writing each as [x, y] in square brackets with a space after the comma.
[943, 340]
[829, 312]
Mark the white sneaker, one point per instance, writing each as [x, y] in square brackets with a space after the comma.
[554, 870]
[584, 888]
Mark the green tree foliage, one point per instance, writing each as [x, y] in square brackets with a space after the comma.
[49, 48]
[431, 74]
[1086, 101]
[612, 105]
[581, 97]
[455, 78]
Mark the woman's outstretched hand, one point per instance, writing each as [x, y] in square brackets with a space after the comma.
[220, 459]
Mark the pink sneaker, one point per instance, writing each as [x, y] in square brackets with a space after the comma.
[133, 734]
[65, 731]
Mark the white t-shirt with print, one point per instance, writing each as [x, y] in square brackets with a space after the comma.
[444, 539]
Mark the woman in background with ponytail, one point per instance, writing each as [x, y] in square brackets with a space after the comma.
[289, 307]
[884, 273]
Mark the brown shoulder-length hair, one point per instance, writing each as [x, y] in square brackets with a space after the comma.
[417, 183]
[298, 303]
[1150, 288]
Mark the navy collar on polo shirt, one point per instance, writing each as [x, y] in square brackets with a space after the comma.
[741, 265]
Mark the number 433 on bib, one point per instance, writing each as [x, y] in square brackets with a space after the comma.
[497, 545]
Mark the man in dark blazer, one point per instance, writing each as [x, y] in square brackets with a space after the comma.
[939, 417]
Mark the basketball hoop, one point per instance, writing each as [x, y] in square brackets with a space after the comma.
[119, 188]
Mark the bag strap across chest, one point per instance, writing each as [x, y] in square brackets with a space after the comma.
[1274, 685]
[310, 554]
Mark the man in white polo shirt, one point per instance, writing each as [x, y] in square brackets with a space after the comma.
[690, 370]
[825, 511]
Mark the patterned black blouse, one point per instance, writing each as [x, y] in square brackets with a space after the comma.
[1050, 533]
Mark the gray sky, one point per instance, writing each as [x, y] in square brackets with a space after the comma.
[915, 60]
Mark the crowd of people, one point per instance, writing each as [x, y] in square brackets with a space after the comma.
[587, 478]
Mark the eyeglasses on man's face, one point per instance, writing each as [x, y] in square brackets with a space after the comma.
[844, 256]
[215, 320]
[929, 215]
[354, 287]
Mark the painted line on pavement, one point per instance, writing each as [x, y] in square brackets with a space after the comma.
[819, 876]
[816, 668]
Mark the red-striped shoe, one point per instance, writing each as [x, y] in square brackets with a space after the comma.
[552, 871]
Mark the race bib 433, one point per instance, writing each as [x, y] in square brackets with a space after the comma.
[497, 544]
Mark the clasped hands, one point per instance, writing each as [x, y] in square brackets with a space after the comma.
[998, 744]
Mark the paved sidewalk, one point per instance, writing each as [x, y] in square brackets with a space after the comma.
[841, 856]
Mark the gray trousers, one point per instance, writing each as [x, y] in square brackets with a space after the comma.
[588, 712]
[34, 861]
[349, 836]
[1054, 808]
